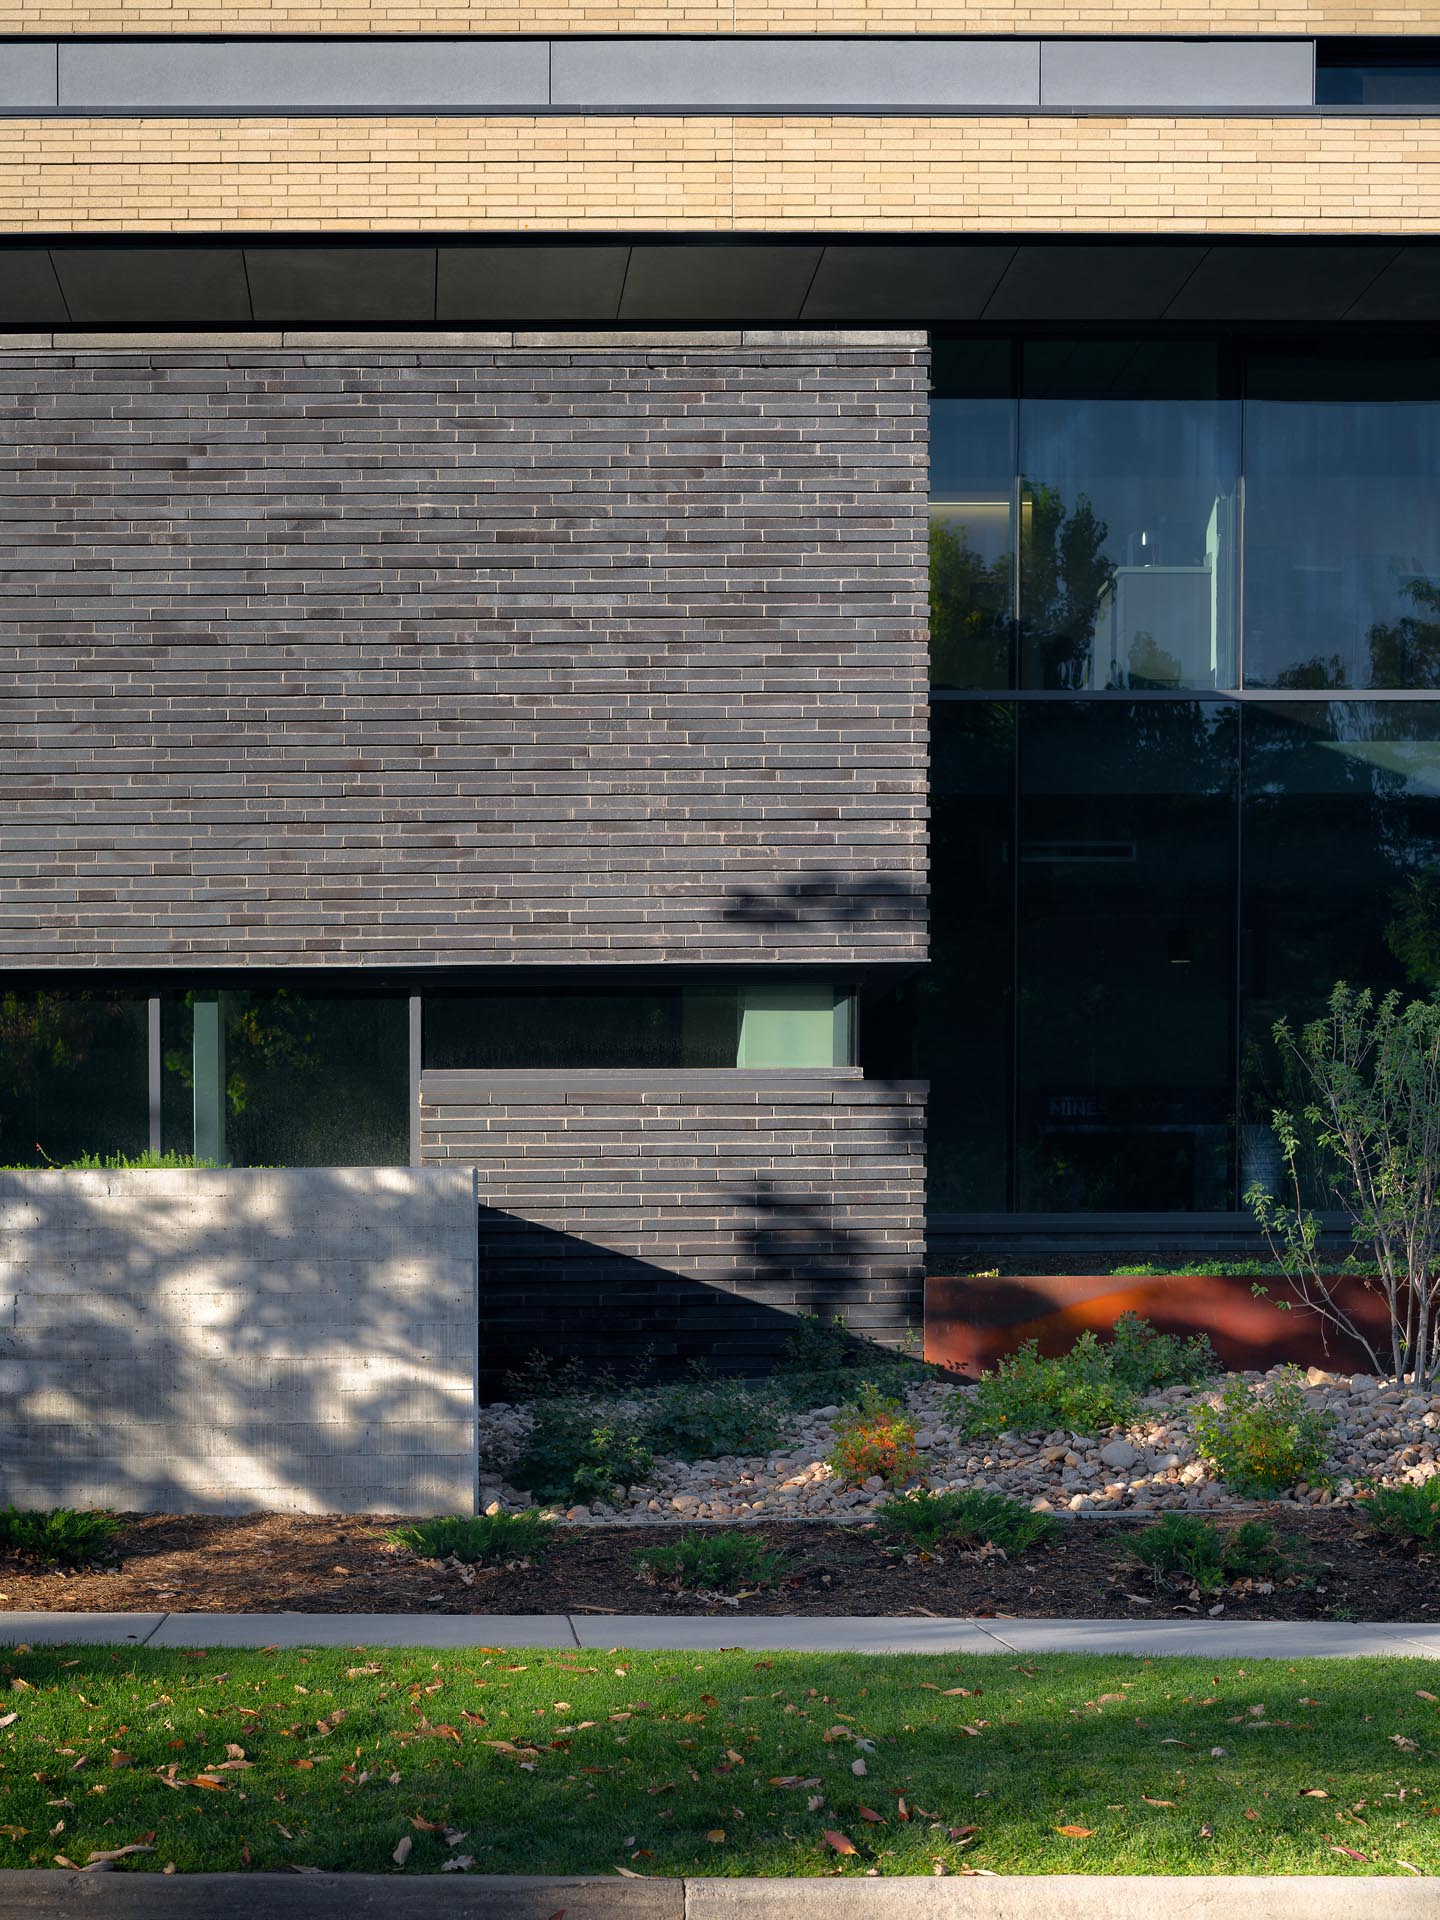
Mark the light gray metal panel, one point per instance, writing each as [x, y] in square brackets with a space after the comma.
[1177, 73]
[27, 73]
[304, 73]
[771, 72]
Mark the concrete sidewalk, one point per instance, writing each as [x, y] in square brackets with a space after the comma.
[36, 1895]
[1250, 1640]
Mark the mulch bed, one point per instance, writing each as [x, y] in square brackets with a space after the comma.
[265, 1562]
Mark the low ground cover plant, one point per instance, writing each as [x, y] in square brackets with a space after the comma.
[1266, 1439]
[722, 1561]
[926, 1521]
[477, 1539]
[110, 1163]
[1026, 1392]
[824, 1363]
[566, 1761]
[1408, 1515]
[1146, 1360]
[579, 1450]
[874, 1439]
[57, 1536]
[704, 1419]
[1211, 1556]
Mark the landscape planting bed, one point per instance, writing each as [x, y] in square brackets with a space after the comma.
[321, 1564]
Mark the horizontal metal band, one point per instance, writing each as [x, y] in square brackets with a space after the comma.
[809, 283]
[718, 74]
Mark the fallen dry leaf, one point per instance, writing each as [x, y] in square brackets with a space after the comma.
[1077, 1833]
[1313, 1793]
[402, 1850]
[859, 1769]
[715, 1836]
[1156, 1803]
[839, 1842]
[875, 1819]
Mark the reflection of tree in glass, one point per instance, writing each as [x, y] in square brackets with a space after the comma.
[262, 1033]
[969, 612]
[1413, 936]
[1319, 674]
[44, 1032]
[1407, 653]
[1150, 665]
[1063, 578]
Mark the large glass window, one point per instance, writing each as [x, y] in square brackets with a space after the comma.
[962, 1004]
[1130, 459]
[1341, 875]
[73, 1080]
[1342, 522]
[972, 496]
[1377, 73]
[286, 1078]
[1125, 956]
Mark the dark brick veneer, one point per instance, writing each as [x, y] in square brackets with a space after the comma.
[444, 652]
[691, 1214]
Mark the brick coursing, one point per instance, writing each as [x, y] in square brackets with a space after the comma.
[717, 16]
[459, 654]
[688, 1215]
[796, 173]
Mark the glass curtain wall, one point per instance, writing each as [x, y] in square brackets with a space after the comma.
[1168, 806]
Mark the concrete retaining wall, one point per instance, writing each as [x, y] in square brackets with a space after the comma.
[301, 1339]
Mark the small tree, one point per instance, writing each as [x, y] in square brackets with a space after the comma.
[1374, 1069]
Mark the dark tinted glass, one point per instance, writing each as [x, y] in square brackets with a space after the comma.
[556, 1027]
[1362, 73]
[972, 543]
[1342, 523]
[72, 1077]
[962, 1003]
[1126, 960]
[1129, 459]
[1341, 875]
[311, 1080]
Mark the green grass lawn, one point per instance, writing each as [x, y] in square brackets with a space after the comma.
[718, 1763]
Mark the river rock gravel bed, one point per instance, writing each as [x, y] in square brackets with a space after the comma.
[1383, 1434]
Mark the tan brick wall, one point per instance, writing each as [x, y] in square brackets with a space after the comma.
[564, 174]
[720, 16]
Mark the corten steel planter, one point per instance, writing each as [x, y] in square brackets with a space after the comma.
[971, 1322]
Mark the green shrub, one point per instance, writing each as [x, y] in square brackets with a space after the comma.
[1408, 1514]
[721, 1562]
[479, 1540]
[928, 1520]
[1184, 1543]
[110, 1163]
[824, 1362]
[1025, 1393]
[704, 1419]
[873, 1436]
[1264, 1440]
[1146, 1360]
[57, 1536]
[580, 1450]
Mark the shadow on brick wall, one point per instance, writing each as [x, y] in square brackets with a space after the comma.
[730, 1304]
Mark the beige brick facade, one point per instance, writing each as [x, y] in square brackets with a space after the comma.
[1001, 173]
[1300, 17]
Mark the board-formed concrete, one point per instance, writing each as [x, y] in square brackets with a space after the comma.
[295, 1339]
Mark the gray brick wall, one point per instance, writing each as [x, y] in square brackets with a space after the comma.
[220, 1342]
[452, 652]
[689, 1213]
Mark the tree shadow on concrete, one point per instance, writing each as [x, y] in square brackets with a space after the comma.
[228, 1341]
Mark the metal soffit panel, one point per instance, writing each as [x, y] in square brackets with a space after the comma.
[764, 282]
